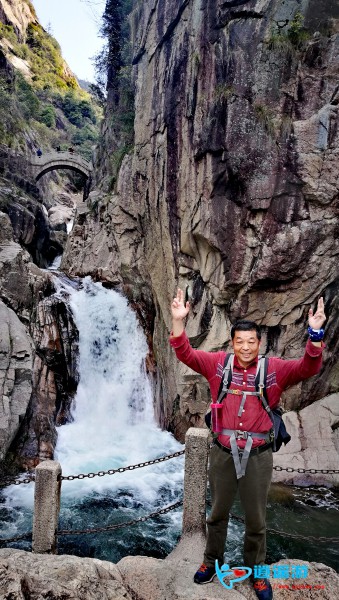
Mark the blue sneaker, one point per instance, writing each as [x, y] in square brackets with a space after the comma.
[263, 589]
[204, 574]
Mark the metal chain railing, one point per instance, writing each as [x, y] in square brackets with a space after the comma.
[123, 469]
[291, 535]
[301, 470]
[18, 538]
[162, 511]
[7, 481]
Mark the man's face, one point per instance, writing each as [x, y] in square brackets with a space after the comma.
[246, 346]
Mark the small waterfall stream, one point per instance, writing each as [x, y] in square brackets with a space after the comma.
[113, 426]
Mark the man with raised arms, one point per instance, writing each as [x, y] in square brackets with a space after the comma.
[246, 430]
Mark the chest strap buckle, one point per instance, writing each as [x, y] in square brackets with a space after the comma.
[239, 434]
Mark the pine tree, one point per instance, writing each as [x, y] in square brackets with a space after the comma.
[109, 61]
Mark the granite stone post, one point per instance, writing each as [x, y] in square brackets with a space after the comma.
[196, 456]
[46, 506]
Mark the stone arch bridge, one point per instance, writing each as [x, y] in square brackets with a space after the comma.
[62, 160]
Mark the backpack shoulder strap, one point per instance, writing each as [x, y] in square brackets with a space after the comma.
[260, 383]
[226, 377]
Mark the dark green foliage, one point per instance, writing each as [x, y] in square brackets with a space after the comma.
[47, 115]
[108, 62]
[97, 94]
[77, 110]
[7, 32]
[29, 103]
[116, 51]
[71, 109]
[114, 70]
[9, 114]
[291, 39]
[85, 134]
[87, 111]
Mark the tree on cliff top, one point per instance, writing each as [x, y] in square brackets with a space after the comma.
[115, 30]
[114, 76]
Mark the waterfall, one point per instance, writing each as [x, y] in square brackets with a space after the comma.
[55, 264]
[113, 426]
[113, 422]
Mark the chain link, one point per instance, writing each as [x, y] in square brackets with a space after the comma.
[300, 470]
[162, 511]
[24, 536]
[6, 482]
[123, 469]
[291, 535]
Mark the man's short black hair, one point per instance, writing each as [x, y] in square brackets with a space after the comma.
[245, 326]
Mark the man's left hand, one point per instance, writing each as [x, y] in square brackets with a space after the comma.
[317, 319]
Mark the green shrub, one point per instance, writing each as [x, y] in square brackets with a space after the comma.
[78, 110]
[22, 51]
[223, 92]
[27, 98]
[10, 118]
[291, 39]
[87, 111]
[46, 61]
[85, 134]
[71, 109]
[7, 32]
[265, 116]
[47, 115]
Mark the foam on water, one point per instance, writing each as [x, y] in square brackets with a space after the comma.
[113, 414]
[113, 424]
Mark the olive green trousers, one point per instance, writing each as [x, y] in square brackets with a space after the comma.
[253, 490]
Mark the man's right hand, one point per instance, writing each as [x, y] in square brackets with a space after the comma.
[179, 311]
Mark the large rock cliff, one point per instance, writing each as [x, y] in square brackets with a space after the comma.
[38, 349]
[232, 186]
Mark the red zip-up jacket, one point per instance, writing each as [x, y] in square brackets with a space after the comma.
[281, 374]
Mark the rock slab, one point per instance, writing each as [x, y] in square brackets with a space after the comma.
[15, 375]
[42, 576]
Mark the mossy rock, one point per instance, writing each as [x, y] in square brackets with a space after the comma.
[281, 494]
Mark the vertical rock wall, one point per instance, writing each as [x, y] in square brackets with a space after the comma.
[15, 375]
[233, 185]
[38, 357]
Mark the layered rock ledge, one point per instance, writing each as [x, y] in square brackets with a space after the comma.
[39, 576]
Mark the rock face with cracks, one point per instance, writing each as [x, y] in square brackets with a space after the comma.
[232, 187]
[36, 576]
[38, 350]
[314, 443]
[15, 375]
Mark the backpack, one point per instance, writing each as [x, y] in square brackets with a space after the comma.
[278, 426]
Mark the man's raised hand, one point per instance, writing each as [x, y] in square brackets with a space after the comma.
[317, 319]
[178, 308]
